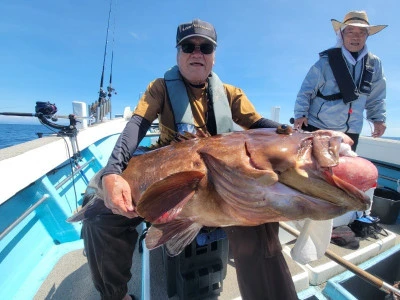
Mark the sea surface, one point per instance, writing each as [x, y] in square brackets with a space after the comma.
[14, 134]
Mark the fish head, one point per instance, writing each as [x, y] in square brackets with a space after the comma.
[317, 164]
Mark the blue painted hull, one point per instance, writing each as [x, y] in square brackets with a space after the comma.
[30, 250]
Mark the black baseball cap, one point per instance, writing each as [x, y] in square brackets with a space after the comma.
[196, 28]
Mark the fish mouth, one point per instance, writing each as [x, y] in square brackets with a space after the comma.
[354, 175]
[341, 167]
[326, 188]
[348, 180]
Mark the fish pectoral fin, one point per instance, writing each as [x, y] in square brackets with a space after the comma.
[163, 200]
[94, 207]
[176, 234]
[240, 183]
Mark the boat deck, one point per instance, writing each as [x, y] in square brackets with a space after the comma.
[70, 278]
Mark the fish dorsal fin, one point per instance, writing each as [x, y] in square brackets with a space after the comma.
[176, 137]
[163, 200]
[176, 234]
[179, 137]
[239, 184]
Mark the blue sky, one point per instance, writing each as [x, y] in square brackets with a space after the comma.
[53, 50]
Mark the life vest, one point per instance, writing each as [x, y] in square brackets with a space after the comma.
[219, 112]
[348, 89]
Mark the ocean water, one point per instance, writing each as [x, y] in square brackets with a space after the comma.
[14, 134]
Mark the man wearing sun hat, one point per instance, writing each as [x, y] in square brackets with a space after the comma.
[189, 97]
[345, 81]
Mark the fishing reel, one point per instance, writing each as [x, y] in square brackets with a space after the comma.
[43, 111]
[110, 91]
[102, 95]
[46, 109]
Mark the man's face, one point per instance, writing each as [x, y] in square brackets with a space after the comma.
[354, 38]
[195, 66]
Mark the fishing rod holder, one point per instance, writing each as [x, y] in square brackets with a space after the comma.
[45, 111]
[99, 109]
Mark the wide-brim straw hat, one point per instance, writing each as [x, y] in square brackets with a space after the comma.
[359, 19]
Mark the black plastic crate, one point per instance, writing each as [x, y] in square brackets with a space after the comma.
[386, 205]
[201, 282]
[198, 271]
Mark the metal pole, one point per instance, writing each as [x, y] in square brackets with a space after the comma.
[66, 179]
[23, 216]
[145, 271]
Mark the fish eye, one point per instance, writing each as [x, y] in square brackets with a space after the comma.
[284, 129]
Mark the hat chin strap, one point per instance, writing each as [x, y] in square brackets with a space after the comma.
[339, 39]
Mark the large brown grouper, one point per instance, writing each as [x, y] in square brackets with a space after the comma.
[243, 178]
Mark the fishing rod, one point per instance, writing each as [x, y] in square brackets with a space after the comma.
[102, 94]
[110, 89]
[46, 111]
[368, 277]
[103, 100]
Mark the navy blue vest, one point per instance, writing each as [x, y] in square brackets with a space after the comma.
[348, 89]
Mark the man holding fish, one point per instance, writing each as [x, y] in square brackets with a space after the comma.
[110, 237]
[202, 173]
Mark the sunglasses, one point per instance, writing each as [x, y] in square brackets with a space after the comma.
[204, 48]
